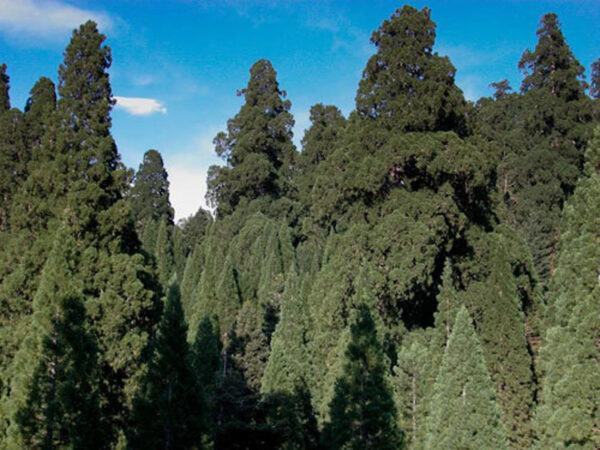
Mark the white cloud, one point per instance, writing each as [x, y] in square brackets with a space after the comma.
[187, 190]
[46, 18]
[139, 106]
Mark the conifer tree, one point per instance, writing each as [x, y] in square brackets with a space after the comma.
[414, 375]
[595, 80]
[286, 367]
[54, 398]
[14, 156]
[39, 111]
[169, 409]
[362, 411]
[406, 85]
[163, 252]
[464, 412]
[149, 195]
[568, 413]
[257, 146]
[4, 87]
[191, 278]
[556, 113]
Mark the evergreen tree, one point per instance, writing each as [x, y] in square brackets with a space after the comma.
[568, 414]
[555, 115]
[14, 156]
[191, 277]
[464, 413]
[286, 367]
[169, 409]
[414, 375]
[149, 195]
[405, 85]
[4, 87]
[363, 415]
[163, 252]
[39, 111]
[257, 147]
[595, 80]
[54, 398]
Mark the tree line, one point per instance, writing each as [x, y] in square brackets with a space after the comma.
[423, 273]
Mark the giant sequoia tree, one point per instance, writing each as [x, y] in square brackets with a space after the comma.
[257, 146]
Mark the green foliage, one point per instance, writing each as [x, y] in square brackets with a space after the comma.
[286, 369]
[4, 87]
[169, 408]
[363, 415]
[405, 85]
[163, 252]
[54, 399]
[464, 412]
[568, 414]
[149, 195]
[257, 147]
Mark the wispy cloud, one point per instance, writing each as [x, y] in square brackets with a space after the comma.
[46, 18]
[139, 106]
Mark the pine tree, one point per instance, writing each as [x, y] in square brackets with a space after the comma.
[464, 413]
[595, 80]
[54, 398]
[14, 156]
[149, 195]
[39, 111]
[363, 415]
[191, 277]
[169, 409]
[257, 147]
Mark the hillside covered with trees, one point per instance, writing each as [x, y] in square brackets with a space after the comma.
[422, 274]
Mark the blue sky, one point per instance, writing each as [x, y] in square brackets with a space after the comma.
[177, 64]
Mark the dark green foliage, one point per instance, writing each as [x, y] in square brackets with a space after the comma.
[595, 79]
[14, 156]
[257, 147]
[4, 87]
[405, 85]
[568, 414]
[363, 415]
[39, 111]
[464, 413]
[149, 195]
[163, 252]
[169, 410]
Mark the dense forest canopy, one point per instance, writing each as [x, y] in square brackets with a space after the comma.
[423, 273]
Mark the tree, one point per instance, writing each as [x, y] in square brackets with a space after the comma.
[286, 367]
[4, 87]
[169, 411]
[363, 415]
[595, 80]
[405, 85]
[257, 146]
[464, 413]
[163, 252]
[568, 414]
[39, 111]
[555, 118]
[149, 195]
[54, 395]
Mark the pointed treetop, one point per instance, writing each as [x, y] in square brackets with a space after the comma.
[4, 98]
[501, 89]
[552, 65]
[84, 88]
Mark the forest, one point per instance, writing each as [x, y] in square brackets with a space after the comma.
[422, 274]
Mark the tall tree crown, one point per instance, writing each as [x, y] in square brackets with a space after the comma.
[552, 65]
[4, 85]
[406, 85]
